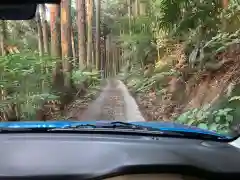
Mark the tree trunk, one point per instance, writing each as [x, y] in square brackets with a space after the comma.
[225, 3]
[142, 8]
[81, 23]
[45, 29]
[89, 36]
[66, 41]
[103, 57]
[56, 50]
[40, 33]
[98, 34]
[73, 46]
[94, 51]
[130, 16]
[136, 8]
[224, 21]
[3, 37]
[109, 55]
[56, 46]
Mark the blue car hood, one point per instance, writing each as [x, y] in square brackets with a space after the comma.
[163, 126]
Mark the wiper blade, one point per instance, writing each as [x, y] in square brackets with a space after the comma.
[118, 125]
[112, 125]
[98, 125]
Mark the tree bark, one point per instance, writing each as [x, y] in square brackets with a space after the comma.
[89, 36]
[66, 41]
[81, 23]
[73, 46]
[98, 34]
[40, 33]
[3, 37]
[55, 31]
[45, 29]
[56, 50]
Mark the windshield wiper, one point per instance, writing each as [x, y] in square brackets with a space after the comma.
[99, 125]
[124, 127]
[118, 127]
[112, 125]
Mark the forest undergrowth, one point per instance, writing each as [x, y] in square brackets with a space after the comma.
[28, 81]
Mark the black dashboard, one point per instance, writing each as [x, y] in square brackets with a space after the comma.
[100, 156]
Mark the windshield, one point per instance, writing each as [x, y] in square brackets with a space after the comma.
[128, 61]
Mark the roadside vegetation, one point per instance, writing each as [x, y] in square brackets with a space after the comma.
[182, 59]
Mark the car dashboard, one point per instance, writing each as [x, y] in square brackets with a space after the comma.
[89, 156]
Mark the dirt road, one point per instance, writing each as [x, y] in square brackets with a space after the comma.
[113, 103]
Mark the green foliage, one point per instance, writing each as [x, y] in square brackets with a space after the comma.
[90, 78]
[154, 82]
[217, 120]
[23, 34]
[234, 98]
[204, 29]
[206, 50]
[26, 81]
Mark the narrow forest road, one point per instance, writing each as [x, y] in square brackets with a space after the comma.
[113, 103]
